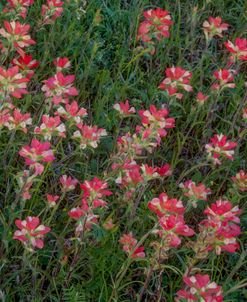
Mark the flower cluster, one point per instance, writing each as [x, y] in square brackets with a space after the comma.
[148, 135]
[124, 108]
[51, 11]
[130, 246]
[60, 130]
[16, 37]
[92, 198]
[177, 80]
[31, 232]
[214, 27]
[220, 148]
[170, 214]
[18, 7]
[240, 180]
[238, 49]
[199, 288]
[219, 231]
[224, 79]
[155, 27]
[195, 192]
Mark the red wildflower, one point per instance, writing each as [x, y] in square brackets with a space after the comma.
[94, 190]
[124, 109]
[238, 50]
[18, 6]
[51, 126]
[200, 288]
[52, 199]
[225, 78]
[51, 11]
[16, 35]
[156, 26]
[88, 135]
[164, 206]
[4, 116]
[108, 224]
[68, 183]
[12, 83]
[156, 118]
[85, 220]
[76, 213]
[245, 114]
[214, 27]
[219, 148]
[30, 233]
[195, 192]
[26, 64]
[222, 211]
[72, 112]
[240, 180]
[62, 63]
[219, 231]
[177, 79]
[173, 226]
[36, 154]
[18, 121]
[59, 87]
[130, 246]
[201, 98]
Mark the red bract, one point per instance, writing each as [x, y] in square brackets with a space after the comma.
[156, 26]
[124, 109]
[51, 126]
[156, 118]
[36, 154]
[214, 27]
[52, 199]
[88, 136]
[130, 174]
[51, 11]
[12, 83]
[31, 233]
[62, 63]
[238, 49]
[240, 180]
[25, 180]
[164, 206]
[219, 231]
[18, 6]
[68, 183]
[245, 114]
[199, 288]
[222, 212]
[59, 87]
[177, 79]
[109, 225]
[219, 148]
[76, 213]
[195, 192]
[26, 63]
[18, 121]
[94, 190]
[85, 220]
[225, 79]
[201, 98]
[173, 226]
[72, 112]
[16, 35]
[4, 116]
[130, 246]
